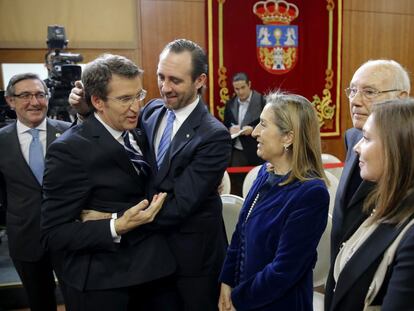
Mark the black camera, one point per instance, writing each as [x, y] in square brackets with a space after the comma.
[62, 72]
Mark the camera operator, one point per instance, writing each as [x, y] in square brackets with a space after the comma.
[62, 73]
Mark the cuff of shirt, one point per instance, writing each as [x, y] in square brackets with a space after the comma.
[115, 236]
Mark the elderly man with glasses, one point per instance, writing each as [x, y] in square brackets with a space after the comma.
[373, 82]
[23, 145]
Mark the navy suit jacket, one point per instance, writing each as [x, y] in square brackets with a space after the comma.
[271, 256]
[191, 172]
[86, 168]
[252, 118]
[397, 290]
[21, 192]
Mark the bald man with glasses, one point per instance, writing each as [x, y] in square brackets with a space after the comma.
[373, 82]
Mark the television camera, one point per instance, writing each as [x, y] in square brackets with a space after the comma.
[62, 72]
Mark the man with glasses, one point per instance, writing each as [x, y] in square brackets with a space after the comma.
[99, 165]
[373, 82]
[23, 145]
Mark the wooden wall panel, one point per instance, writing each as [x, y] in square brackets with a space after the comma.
[163, 21]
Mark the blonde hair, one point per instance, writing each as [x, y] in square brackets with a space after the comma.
[394, 120]
[294, 113]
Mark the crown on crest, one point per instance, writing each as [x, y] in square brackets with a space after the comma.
[275, 11]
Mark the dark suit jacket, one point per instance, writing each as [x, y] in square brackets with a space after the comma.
[252, 117]
[86, 168]
[349, 200]
[21, 192]
[397, 290]
[191, 172]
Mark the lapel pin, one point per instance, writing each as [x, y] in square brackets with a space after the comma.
[58, 134]
[188, 135]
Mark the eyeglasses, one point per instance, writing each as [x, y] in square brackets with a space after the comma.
[368, 93]
[26, 96]
[129, 100]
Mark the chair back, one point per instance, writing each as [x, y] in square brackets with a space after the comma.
[232, 205]
[329, 158]
[226, 184]
[249, 179]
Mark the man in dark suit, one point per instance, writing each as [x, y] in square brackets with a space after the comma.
[21, 172]
[98, 165]
[189, 151]
[190, 171]
[242, 112]
[374, 81]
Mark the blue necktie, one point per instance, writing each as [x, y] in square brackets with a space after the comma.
[136, 158]
[36, 159]
[165, 138]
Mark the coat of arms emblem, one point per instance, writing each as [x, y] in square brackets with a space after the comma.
[276, 39]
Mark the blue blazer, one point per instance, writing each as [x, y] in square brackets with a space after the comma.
[276, 247]
[191, 172]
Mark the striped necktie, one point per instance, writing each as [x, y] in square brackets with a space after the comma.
[136, 158]
[165, 138]
[36, 158]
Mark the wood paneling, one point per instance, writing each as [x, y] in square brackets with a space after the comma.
[164, 21]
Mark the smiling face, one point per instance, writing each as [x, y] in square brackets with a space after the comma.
[33, 111]
[113, 111]
[371, 152]
[373, 77]
[174, 79]
[270, 139]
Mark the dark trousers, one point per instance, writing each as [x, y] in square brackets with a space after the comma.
[199, 293]
[159, 295]
[39, 283]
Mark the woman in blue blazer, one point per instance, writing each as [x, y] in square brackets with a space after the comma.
[273, 249]
[374, 269]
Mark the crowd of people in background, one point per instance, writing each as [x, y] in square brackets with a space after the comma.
[123, 204]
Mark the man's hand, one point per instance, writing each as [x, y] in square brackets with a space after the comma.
[234, 129]
[247, 130]
[225, 303]
[139, 214]
[77, 99]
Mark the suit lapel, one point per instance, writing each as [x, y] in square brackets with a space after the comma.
[253, 111]
[52, 132]
[107, 142]
[183, 136]
[234, 108]
[363, 258]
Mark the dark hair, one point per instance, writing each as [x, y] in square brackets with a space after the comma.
[394, 120]
[198, 56]
[98, 73]
[241, 76]
[10, 90]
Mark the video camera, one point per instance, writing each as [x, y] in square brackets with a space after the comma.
[62, 72]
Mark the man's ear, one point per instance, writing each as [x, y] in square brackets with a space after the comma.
[10, 102]
[200, 81]
[97, 102]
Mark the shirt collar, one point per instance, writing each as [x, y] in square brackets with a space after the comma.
[115, 133]
[182, 114]
[21, 128]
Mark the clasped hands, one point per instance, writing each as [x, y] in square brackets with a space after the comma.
[139, 214]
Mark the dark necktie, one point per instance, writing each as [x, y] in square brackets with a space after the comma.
[165, 138]
[36, 159]
[136, 158]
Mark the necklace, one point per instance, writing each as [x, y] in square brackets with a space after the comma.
[252, 206]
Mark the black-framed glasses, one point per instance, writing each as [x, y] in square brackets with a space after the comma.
[27, 96]
[130, 100]
[368, 93]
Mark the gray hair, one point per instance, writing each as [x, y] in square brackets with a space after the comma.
[10, 89]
